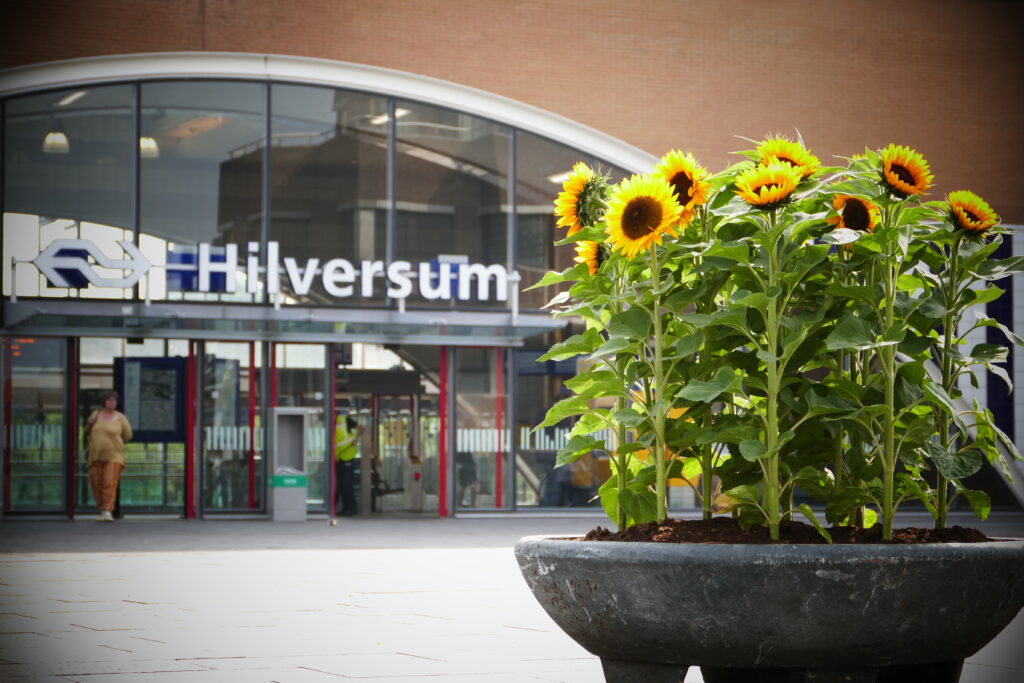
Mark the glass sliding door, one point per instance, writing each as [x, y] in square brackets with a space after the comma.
[300, 378]
[34, 412]
[482, 443]
[232, 427]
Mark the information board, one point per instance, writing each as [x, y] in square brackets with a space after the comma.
[153, 398]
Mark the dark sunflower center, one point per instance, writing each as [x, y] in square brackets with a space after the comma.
[856, 216]
[903, 174]
[682, 183]
[640, 217]
[598, 257]
[768, 186]
[970, 216]
[788, 161]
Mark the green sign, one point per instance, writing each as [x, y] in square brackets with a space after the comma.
[288, 480]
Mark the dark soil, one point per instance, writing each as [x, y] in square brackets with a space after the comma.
[727, 530]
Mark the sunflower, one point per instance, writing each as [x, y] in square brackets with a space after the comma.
[905, 171]
[854, 213]
[591, 253]
[686, 177]
[580, 203]
[640, 209]
[789, 152]
[970, 212]
[767, 186]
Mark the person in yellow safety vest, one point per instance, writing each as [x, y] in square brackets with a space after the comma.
[347, 435]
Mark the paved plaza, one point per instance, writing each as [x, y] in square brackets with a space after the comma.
[392, 598]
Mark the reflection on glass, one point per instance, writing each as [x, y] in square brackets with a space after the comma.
[538, 483]
[203, 185]
[67, 166]
[452, 192]
[90, 179]
[329, 190]
[37, 424]
[154, 477]
[232, 428]
[481, 429]
[541, 167]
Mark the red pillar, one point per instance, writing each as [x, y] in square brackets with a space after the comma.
[499, 415]
[190, 432]
[252, 421]
[442, 479]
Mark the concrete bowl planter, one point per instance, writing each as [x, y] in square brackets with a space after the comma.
[781, 612]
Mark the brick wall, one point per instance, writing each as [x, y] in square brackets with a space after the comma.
[943, 76]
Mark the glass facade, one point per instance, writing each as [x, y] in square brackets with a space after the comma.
[278, 196]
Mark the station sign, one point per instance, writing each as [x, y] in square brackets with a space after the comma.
[209, 268]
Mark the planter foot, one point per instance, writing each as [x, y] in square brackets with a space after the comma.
[622, 671]
[859, 674]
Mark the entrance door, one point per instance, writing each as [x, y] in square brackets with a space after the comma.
[398, 463]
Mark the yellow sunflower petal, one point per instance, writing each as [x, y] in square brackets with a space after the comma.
[687, 179]
[970, 212]
[767, 186]
[640, 210]
[905, 171]
[789, 152]
[571, 204]
[591, 254]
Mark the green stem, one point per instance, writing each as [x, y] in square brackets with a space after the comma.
[887, 356]
[660, 397]
[771, 489]
[623, 466]
[949, 324]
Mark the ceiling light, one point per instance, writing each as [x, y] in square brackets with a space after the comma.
[383, 118]
[56, 142]
[559, 178]
[70, 98]
[148, 149]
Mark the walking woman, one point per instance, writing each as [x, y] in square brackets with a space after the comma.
[108, 431]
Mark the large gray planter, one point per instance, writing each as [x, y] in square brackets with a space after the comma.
[777, 612]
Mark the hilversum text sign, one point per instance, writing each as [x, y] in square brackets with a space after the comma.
[207, 268]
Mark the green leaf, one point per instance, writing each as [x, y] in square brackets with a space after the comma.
[613, 345]
[574, 346]
[986, 321]
[640, 506]
[744, 494]
[979, 502]
[567, 407]
[953, 465]
[989, 353]
[840, 236]
[628, 417]
[752, 449]
[998, 269]
[939, 396]
[708, 391]
[839, 505]
[577, 447]
[912, 488]
[633, 323]
[850, 333]
[809, 514]
[577, 272]
[815, 481]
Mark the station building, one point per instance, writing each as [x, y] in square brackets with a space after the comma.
[251, 244]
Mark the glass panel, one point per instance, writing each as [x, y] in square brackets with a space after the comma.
[201, 182]
[37, 424]
[154, 476]
[538, 387]
[68, 153]
[300, 371]
[541, 168]
[329, 196]
[481, 429]
[233, 447]
[452, 194]
[394, 448]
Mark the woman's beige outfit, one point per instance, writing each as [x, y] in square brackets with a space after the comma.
[106, 457]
